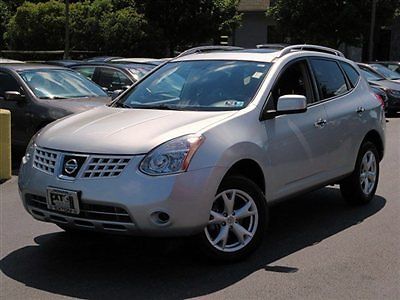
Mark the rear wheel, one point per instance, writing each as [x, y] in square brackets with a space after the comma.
[238, 219]
[360, 186]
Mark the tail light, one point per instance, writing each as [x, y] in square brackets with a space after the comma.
[380, 99]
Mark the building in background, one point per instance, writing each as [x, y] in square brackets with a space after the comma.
[257, 28]
[255, 23]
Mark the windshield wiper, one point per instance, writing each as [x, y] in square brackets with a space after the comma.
[53, 98]
[158, 106]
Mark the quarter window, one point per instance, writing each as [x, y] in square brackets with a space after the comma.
[351, 73]
[330, 79]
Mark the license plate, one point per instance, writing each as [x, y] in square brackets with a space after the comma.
[63, 200]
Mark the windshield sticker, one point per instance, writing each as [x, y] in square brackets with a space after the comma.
[261, 65]
[246, 80]
[257, 75]
[233, 103]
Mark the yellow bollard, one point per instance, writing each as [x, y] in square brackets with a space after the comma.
[5, 144]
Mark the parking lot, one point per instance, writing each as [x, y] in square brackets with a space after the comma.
[317, 247]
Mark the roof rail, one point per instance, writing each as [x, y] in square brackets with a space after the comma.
[208, 49]
[271, 46]
[306, 47]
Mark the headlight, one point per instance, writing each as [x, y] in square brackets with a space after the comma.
[171, 157]
[393, 93]
[29, 149]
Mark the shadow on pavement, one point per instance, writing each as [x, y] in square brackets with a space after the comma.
[94, 266]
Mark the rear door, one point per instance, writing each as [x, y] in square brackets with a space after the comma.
[343, 108]
[296, 143]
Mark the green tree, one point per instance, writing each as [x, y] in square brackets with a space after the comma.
[37, 26]
[330, 23]
[85, 29]
[123, 31]
[4, 18]
[184, 23]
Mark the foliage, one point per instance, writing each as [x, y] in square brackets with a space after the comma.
[117, 27]
[329, 22]
[184, 23]
[4, 17]
[37, 26]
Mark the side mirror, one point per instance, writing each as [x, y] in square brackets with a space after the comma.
[287, 104]
[116, 93]
[13, 96]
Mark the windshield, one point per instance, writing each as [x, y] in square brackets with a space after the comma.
[370, 76]
[60, 84]
[386, 72]
[198, 85]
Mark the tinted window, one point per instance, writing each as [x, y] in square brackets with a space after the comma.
[293, 81]
[198, 85]
[60, 84]
[113, 79]
[330, 79]
[351, 73]
[8, 84]
[86, 71]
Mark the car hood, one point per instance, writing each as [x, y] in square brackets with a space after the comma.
[123, 131]
[75, 105]
[387, 84]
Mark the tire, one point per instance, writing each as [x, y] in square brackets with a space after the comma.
[253, 218]
[359, 187]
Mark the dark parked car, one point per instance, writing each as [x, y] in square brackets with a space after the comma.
[392, 65]
[39, 94]
[391, 88]
[114, 77]
[383, 71]
[63, 62]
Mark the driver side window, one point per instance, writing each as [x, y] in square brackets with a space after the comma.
[295, 80]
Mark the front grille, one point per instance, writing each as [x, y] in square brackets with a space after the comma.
[105, 166]
[45, 160]
[87, 211]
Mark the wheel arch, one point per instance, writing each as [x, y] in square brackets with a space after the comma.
[374, 137]
[250, 169]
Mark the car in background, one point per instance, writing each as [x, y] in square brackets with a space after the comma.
[39, 94]
[151, 61]
[392, 65]
[10, 61]
[101, 58]
[391, 88]
[63, 62]
[114, 78]
[383, 71]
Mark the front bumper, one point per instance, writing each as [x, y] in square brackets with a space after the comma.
[127, 203]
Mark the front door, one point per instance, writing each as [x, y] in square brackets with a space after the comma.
[296, 143]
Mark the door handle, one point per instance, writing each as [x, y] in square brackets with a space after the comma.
[320, 123]
[360, 110]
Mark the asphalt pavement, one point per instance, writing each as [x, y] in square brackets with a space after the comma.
[317, 247]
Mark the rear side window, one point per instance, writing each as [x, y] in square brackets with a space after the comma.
[330, 79]
[351, 73]
[113, 79]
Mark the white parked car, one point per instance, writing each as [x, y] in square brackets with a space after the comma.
[205, 143]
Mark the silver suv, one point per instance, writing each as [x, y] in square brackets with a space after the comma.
[205, 143]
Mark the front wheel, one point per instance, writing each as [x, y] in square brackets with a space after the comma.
[360, 186]
[238, 220]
